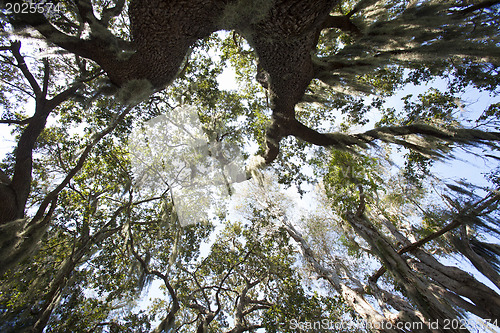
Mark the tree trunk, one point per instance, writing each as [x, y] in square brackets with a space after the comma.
[423, 292]
[354, 298]
[485, 301]
[452, 281]
[56, 287]
[479, 262]
[63, 275]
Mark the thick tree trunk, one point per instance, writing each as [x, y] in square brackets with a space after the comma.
[483, 301]
[284, 42]
[8, 206]
[20, 238]
[451, 281]
[15, 193]
[161, 31]
[423, 292]
[479, 262]
[283, 34]
[354, 298]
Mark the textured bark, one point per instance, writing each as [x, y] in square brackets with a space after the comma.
[353, 297]
[479, 262]
[458, 286]
[162, 33]
[484, 301]
[9, 207]
[420, 290]
[464, 216]
[284, 42]
[21, 242]
[406, 314]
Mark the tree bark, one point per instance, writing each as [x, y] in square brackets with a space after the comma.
[354, 298]
[15, 192]
[283, 36]
[482, 298]
[479, 262]
[161, 32]
[20, 242]
[452, 281]
[420, 290]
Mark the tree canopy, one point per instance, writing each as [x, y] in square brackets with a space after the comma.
[125, 205]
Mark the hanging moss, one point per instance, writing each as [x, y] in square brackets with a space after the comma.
[134, 92]
[244, 13]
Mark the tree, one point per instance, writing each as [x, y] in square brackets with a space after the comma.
[15, 190]
[79, 225]
[421, 269]
[284, 36]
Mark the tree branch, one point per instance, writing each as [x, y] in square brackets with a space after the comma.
[86, 11]
[409, 136]
[481, 5]
[15, 47]
[46, 76]
[64, 95]
[67, 267]
[79, 165]
[341, 22]
[169, 320]
[462, 243]
[87, 48]
[21, 180]
[352, 296]
[29, 93]
[15, 122]
[458, 221]
[109, 13]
